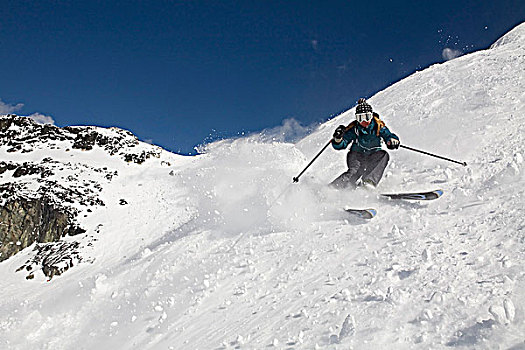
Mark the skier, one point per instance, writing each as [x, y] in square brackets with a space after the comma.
[366, 159]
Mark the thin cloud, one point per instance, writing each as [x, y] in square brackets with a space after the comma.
[449, 54]
[41, 118]
[6, 108]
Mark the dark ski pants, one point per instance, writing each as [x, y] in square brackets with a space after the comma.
[369, 167]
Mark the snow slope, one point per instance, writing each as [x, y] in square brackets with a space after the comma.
[222, 251]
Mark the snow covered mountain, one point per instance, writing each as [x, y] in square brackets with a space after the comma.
[222, 251]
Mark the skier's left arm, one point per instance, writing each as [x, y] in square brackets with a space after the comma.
[391, 139]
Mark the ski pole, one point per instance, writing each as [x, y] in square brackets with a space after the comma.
[433, 155]
[296, 179]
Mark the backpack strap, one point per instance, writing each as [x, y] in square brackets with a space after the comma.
[351, 125]
[380, 124]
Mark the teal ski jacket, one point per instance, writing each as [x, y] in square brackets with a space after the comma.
[365, 140]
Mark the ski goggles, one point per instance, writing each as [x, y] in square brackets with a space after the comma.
[364, 117]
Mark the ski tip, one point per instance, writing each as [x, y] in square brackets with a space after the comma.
[362, 213]
[439, 193]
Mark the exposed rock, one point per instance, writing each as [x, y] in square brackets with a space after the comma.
[24, 222]
[53, 258]
[20, 134]
[30, 169]
[6, 166]
[139, 158]
[86, 141]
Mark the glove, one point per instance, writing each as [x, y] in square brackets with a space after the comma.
[393, 143]
[338, 133]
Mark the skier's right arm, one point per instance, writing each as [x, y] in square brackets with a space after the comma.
[341, 138]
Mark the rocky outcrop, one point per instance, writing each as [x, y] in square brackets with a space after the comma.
[41, 200]
[53, 258]
[21, 134]
[6, 166]
[24, 169]
[26, 221]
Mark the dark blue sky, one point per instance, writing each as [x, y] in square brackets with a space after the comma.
[175, 72]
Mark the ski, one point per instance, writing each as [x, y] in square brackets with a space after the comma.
[362, 213]
[425, 196]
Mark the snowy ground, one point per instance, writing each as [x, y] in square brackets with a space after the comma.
[222, 251]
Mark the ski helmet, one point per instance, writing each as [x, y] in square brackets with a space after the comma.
[362, 107]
